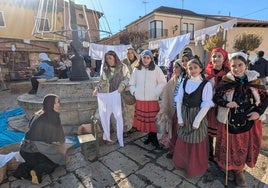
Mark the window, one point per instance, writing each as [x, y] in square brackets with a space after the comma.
[156, 29]
[188, 28]
[2, 19]
[42, 24]
[81, 16]
[81, 32]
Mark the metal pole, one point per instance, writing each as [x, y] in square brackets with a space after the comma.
[227, 153]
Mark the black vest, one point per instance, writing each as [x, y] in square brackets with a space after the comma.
[192, 100]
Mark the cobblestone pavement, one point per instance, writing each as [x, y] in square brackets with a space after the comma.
[135, 165]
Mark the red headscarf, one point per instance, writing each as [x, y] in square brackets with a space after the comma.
[225, 66]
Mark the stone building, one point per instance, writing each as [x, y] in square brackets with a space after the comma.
[29, 27]
[166, 22]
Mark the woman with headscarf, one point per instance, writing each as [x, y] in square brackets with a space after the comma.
[167, 116]
[217, 67]
[131, 61]
[185, 58]
[241, 98]
[146, 84]
[45, 71]
[43, 147]
[113, 81]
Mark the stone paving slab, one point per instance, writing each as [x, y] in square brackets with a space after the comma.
[68, 181]
[120, 165]
[96, 175]
[165, 162]
[131, 182]
[159, 177]
[135, 165]
[136, 153]
[76, 161]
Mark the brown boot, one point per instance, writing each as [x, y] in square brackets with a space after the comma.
[240, 178]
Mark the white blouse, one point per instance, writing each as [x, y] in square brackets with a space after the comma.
[207, 94]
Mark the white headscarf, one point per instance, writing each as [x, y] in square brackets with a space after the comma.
[44, 57]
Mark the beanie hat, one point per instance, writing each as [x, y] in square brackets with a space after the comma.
[147, 52]
[44, 57]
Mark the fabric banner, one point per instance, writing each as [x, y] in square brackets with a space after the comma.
[169, 48]
[97, 51]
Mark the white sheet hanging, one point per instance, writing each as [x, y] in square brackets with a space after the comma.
[97, 51]
[213, 30]
[169, 48]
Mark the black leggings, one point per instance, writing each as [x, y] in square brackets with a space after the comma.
[37, 162]
[35, 83]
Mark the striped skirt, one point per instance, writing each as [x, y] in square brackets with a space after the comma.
[187, 133]
[145, 113]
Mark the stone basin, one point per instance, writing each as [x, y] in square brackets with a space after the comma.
[76, 101]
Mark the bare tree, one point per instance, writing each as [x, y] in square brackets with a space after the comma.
[136, 38]
[247, 42]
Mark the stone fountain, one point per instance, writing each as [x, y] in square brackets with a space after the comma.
[76, 101]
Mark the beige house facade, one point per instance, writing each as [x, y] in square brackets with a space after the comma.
[24, 33]
[166, 22]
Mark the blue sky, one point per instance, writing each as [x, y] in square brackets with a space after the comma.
[120, 13]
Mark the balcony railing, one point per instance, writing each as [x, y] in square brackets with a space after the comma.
[185, 32]
[157, 33]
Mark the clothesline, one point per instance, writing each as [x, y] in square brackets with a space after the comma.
[168, 48]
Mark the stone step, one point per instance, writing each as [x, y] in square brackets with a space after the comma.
[20, 87]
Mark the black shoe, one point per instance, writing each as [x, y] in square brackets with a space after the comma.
[155, 140]
[126, 134]
[32, 92]
[147, 141]
[169, 156]
[132, 130]
[157, 145]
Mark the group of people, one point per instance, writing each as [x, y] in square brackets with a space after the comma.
[220, 103]
[63, 67]
[199, 107]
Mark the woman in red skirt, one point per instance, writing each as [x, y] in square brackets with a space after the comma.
[194, 99]
[217, 67]
[146, 84]
[241, 100]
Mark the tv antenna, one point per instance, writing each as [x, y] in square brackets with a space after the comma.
[145, 5]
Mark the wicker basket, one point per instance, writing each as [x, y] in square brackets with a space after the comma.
[3, 173]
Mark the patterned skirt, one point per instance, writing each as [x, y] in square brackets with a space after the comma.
[243, 148]
[145, 113]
